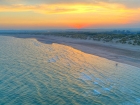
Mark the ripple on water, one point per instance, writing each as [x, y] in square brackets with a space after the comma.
[95, 92]
[51, 74]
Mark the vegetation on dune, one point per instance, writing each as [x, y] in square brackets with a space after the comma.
[116, 36]
[124, 38]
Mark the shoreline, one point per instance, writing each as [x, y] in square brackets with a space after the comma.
[123, 53]
[127, 54]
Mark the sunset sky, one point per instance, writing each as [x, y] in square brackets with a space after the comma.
[66, 14]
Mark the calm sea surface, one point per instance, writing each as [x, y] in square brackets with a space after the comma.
[33, 73]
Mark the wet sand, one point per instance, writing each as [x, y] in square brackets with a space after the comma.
[123, 53]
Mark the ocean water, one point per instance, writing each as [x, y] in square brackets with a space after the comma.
[34, 73]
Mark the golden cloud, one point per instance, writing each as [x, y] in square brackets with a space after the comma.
[78, 15]
[68, 8]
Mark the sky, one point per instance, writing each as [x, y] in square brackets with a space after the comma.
[69, 14]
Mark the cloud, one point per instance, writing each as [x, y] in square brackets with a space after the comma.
[68, 8]
[54, 13]
[128, 3]
[45, 9]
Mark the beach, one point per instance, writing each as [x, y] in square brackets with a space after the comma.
[70, 52]
[124, 53]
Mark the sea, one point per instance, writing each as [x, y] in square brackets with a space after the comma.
[35, 73]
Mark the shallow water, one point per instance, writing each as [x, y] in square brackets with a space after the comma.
[33, 73]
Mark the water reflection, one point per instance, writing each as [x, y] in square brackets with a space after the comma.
[36, 73]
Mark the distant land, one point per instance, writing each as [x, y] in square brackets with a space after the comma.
[124, 36]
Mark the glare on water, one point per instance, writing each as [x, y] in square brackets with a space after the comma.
[35, 73]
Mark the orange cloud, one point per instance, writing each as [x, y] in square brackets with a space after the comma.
[64, 8]
[70, 15]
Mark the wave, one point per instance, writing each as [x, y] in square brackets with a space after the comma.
[52, 74]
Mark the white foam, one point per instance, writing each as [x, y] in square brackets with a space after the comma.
[52, 60]
[106, 89]
[95, 92]
[86, 77]
[126, 103]
[36, 44]
[95, 83]
[138, 100]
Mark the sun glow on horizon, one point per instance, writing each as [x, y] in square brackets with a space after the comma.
[68, 15]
